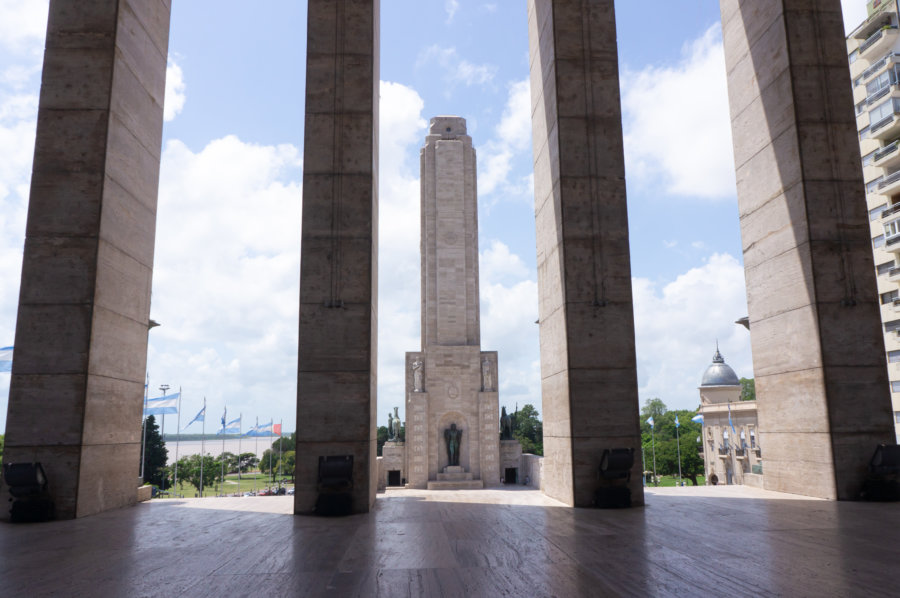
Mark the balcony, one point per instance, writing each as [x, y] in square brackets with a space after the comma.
[892, 243]
[887, 156]
[894, 274]
[875, 67]
[889, 185]
[880, 41]
[888, 212]
[878, 95]
[896, 304]
[886, 128]
[740, 453]
[723, 453]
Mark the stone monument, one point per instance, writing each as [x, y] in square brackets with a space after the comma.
[451, 384]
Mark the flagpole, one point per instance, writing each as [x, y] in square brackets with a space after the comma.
[144, 432]
[163, 388]
[202, 445]
[678, 444]
[280, 452]
[270, 456]
[222, 454]
[256, 453]
[653, 445]
[733, 444]
[177, 438]
[240, 435]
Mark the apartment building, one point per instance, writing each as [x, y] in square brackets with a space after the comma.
[873, 49]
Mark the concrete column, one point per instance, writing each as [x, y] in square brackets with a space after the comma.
[818, 349]
[588, 375]
[81, 335]
[338, 268]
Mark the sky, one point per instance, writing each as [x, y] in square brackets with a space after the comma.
[226, 271]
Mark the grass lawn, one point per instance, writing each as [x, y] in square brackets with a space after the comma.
[667, 480]
[248, 483]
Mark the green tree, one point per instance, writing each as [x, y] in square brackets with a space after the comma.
[382, 437]
[156, 453]
[654, 407]
[288, 460]
[189, 471]
[1, 448]
[285, 443]
[748, 389]
[529, 430]
[666, 442]
[231, 462]
[248, 461]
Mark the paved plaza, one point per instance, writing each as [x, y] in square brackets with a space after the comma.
[733, 541]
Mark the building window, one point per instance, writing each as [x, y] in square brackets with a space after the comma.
[895, 385]
[881, 111]
[897, 417]
[868, 158]
[864, 133]
[872, 186]
[885, 267]
[893, 356]
[889, 297]
[892, 326]
[752, 438]
[875, 213]
[878, 241]
[725, 439]
[853, 56]
[892, 229]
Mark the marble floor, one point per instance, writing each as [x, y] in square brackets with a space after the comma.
[715, 541]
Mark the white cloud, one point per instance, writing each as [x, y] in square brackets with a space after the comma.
[226, 278]
[450, 7]
[676, 123]
[23, 26]
[677, 325]
[510, 143]
[175, 98]
[509, 308]
[402, 133]
[854, 13]
[457, 70]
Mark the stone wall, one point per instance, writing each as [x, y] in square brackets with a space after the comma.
[530, 468]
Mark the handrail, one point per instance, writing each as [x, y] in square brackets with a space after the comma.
[881, 123]
[890, 211]
[886, 150]
[871, 40]
[878, 94]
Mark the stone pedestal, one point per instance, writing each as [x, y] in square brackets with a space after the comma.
[393, 459]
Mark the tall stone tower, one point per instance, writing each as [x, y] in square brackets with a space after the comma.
[451, 384]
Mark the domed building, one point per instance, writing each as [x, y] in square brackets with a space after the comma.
[731, 450]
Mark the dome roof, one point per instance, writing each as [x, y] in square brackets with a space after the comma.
[719, 373]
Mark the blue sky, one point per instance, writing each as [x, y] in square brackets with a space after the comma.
[227, 258]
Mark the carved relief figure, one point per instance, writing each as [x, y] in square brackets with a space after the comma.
[453, 438]
[417, 375]
[486, 380]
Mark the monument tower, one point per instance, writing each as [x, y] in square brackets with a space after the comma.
[451, 384]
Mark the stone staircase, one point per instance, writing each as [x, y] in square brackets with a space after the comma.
[455, 478]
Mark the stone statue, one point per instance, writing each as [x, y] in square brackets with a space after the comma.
[396, 430]
[505, 426]
[453, 438]
[417, 375]
[390, 425]
[486, 375]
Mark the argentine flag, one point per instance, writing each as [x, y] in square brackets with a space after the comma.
[677, 424]
[162, 405]
[697, 418]
[650, 421]
[6, 359]
[263, 430]
[232, 427]
[201, 416]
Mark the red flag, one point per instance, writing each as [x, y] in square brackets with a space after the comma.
[277, 429]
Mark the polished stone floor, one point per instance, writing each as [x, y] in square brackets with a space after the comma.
[722, 541]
